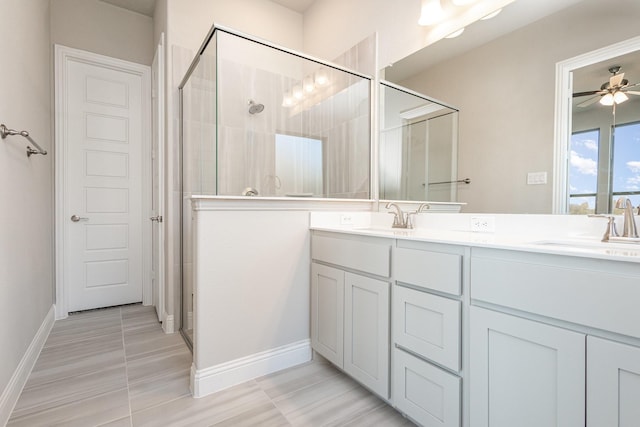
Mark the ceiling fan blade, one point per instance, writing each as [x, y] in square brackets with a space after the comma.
[632, 92]
[589, 102]
[616, 80]
[591, 92]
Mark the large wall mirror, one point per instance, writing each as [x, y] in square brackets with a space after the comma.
[418, 146]
[501, 74]
[603, 128]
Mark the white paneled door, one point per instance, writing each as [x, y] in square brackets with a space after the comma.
[103, 136]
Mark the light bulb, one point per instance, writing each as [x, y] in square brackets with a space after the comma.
[619, 97]
[297, 92]
[455, 34]
[287, 100]
[308, 84]
[321, 77]
[607, 100]
[430, 13]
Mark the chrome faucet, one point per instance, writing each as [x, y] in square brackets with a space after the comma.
[402, 219]
[629, 228]
[399, 217]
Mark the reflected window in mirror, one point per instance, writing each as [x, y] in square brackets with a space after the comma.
[604, 154]
[625, 171]
[583, 172]
[418, 146]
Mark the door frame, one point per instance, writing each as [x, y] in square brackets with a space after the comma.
[62, 56]
[159, 89]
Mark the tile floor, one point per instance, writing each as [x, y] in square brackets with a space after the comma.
[116, 367]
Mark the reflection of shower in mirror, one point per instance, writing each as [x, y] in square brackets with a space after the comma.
[255, 108]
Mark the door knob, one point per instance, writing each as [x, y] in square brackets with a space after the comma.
[156, 218]
[76, 218]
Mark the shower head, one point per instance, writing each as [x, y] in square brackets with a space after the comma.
[255, 108]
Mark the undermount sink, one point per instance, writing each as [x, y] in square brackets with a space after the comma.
[591, 245]
[382, 229]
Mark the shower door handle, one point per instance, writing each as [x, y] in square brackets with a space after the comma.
[76, 218]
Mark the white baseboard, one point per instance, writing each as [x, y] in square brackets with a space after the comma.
[216, 378]
[19, 378]
[168, 324]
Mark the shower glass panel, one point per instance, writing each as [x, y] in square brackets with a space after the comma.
[198, 111]
[261, 120]
[418, 146]
[262, 94]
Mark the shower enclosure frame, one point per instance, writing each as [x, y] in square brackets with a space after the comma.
[373, 135]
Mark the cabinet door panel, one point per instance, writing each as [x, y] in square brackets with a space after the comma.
[424, 392]
[525, 373]
[428, 325]
[366, 353]
[327, 311]
[613, 384]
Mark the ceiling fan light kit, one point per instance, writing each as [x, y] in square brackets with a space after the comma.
[619, 97]
[613, 92]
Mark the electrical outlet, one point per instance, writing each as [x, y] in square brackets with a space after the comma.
[346, 219]
[484, 224]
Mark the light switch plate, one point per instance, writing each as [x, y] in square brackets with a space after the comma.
[536, 178]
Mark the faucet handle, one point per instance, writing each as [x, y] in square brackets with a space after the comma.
[396, 219]
[611, 230]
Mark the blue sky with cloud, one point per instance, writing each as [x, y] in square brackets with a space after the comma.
[583, 162]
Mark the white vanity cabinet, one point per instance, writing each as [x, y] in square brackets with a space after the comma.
[350, 302]
[613, 383]
[524, 373]
[537, 344]
[426, 319]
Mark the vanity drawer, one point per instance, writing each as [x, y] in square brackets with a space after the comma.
[428, 325]
[427, 394]
[433, 270]
[368, 255]
[596, 293]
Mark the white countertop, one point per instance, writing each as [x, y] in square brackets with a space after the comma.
[569, 244]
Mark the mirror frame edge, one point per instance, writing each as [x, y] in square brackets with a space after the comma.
[562, 131]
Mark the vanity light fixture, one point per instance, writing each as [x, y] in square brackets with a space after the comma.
[455, 34]
[430, 12]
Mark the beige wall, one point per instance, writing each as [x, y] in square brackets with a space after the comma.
[334, 26]
[26, 184]
[190, 20]
[505, 91]
[101, 28]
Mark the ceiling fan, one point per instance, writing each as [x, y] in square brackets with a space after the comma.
[613, 92]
